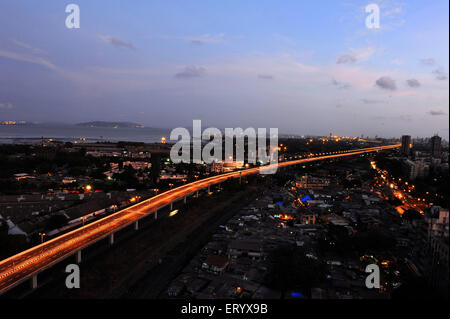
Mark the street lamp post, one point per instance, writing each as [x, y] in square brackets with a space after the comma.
[42, 237]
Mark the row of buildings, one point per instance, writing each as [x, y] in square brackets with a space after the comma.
[435, 145]
[420, 163]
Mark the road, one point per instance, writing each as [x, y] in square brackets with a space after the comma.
[24, 265]
[403, 190]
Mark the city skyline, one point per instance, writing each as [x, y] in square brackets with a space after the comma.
[230, 65]
[224, 158]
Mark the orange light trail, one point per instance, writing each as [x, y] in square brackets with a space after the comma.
[24, 265]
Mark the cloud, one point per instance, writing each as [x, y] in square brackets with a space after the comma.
[369, 101]
[339, 106]
[397, 62]
[437, 113]
[392, 11]
[428, 61]
[413, 83]
[191, 72]
[199, 40]
[406, 118]
[27, 58]
[440, 74]
[28, 47]
[116, 42]
[340, 85]
[206, 38]
[346, 59]
[378, 118]
[32, 56]
[386, 83]
[6, 106]
[265, 77]
[363, 53]
[356, 55]
[392, 14]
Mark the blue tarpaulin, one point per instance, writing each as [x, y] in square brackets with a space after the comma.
[304, 199]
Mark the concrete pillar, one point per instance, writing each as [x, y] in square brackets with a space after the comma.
[78, 256]
[111, 239]
[136, 225]
[156, 214]
[34, 282]
[185, 199]
[196, 194]
[209, 189]
[171, 206]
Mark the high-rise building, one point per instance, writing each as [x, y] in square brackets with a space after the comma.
[414, 169]
[436, 146]
[406, 145]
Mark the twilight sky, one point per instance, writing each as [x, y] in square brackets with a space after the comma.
[305, 67]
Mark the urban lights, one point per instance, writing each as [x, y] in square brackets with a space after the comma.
[234, 143]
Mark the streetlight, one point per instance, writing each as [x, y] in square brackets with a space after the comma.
[42, 236]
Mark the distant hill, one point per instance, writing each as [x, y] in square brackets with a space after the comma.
[110, 124]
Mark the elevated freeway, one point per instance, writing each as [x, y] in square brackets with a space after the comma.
[27, 264]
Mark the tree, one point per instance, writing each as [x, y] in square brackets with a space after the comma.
[128, 176]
